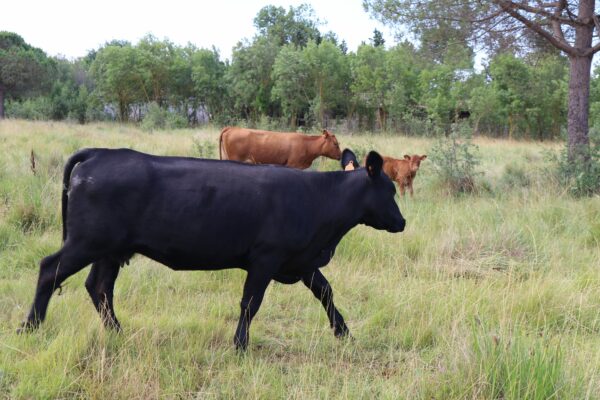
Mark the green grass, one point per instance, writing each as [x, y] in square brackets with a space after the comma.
[488, 296]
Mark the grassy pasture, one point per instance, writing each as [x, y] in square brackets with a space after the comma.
[488, 296]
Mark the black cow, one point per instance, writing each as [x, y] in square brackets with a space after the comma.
[274, 222]
[349, 161]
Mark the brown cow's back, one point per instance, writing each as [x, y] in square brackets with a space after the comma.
[283, 148]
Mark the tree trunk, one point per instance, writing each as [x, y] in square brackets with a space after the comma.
[579, 87]
[1, 102]
[579, 108]
[123, 111]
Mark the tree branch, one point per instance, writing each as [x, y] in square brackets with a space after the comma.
[509, 8]
[592, 50]
[556, 16]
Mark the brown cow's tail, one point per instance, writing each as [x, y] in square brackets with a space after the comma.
[221, 148]
[75, 159]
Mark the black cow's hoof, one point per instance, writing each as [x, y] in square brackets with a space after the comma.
[26, 327]
[240, 346]
[342, 332]
[113, 326]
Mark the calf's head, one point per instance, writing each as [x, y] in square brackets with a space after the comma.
[331, 147]
[380, 208]
[414, 161]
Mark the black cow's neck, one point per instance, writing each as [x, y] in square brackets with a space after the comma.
[342, 199]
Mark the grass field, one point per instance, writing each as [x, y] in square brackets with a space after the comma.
[494, 295]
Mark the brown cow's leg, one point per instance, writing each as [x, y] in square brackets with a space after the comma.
[257, 282]
[100, 284]
[321, 288]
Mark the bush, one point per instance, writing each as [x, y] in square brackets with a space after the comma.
[515, 176]
[159, 118]
[581, 177]
[37, 108]
[455, 160]
[205, 148]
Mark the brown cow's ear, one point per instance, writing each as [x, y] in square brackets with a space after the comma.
[325, 132]
[407, 157]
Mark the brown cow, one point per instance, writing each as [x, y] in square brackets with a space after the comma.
[403, 171]
[284, 148]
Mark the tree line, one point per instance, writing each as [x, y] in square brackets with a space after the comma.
[291, 75]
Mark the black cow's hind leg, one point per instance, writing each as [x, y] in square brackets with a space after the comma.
[54, 269]
[256, 283]
[321, 288]
[100, 284]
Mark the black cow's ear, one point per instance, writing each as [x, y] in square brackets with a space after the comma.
[374, 164]
[348, 157]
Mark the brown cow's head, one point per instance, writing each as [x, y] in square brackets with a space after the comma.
[331, 147]
[414, 161]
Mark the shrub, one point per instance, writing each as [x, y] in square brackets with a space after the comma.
[455, 160]
[205, 148]
[581, 177]
[159, 118]
[361, 151]
[515, 176]
[37, 108]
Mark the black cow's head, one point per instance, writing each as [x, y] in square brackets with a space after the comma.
[349, 161]
[381, 210]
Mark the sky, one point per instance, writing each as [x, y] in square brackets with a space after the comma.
[71, 28]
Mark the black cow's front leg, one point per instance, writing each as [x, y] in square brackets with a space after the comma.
[254, 290]
[321, 288]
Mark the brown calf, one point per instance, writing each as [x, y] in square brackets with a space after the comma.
[284, 148]
[403, 171]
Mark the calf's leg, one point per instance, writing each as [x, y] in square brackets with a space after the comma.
[256, 283]
[321, 288]
[100, 284]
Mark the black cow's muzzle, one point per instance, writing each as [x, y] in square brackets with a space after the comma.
[399, 227]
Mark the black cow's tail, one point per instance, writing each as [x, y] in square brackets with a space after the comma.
[75, 159]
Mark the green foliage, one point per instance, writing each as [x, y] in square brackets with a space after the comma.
[120, 77]
[160, 118]
[249, 77]
[455, 159]
[23, 69]
[515, 176]
[208, 73]
[297, 26]
[377, 40]
[581, 176]
[371, 82]
[205, 148]
[329, 74]
[290, 75]
[34, 108]
[292, 87]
